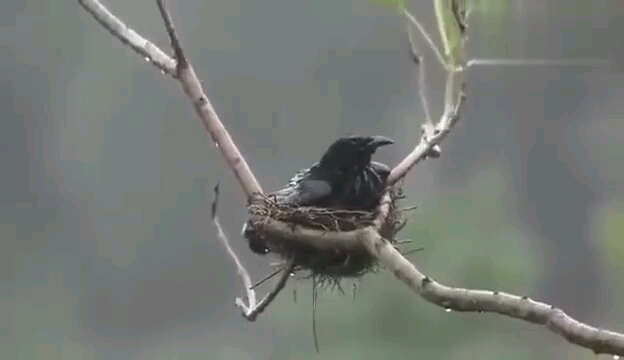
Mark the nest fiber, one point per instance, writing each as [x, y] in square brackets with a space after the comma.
[327, 263]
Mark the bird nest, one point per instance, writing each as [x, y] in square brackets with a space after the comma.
[326, 264]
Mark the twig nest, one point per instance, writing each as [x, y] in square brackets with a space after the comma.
[326, 263]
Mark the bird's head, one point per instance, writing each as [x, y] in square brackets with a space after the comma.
[353, 150]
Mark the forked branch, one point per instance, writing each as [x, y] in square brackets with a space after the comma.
[458, 299]
[183, 71]
[252, 308]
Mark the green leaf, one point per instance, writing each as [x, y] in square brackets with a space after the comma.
[450, 32]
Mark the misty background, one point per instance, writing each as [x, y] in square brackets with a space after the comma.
[106, 247]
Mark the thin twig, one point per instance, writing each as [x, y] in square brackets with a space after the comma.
[244, 274]
[279, 286]
[427, 142]
[253, 308]
[412, 19]
[409, 252]
[268, 277]
[400, 226]
[409, 208]
[251, 294]
[540, 62]
[175, 42]
[433, 135]
[421, 89]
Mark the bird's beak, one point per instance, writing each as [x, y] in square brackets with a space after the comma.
[379, 141]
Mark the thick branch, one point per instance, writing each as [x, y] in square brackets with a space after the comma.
[457, 299]
[192, 87]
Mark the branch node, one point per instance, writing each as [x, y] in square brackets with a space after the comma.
[178, 53]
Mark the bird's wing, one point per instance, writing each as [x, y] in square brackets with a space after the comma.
[304, 189]
[381, 169]
[312, 192]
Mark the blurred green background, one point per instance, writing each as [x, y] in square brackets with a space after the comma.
[106, 247]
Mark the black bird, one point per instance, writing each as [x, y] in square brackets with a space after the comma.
[345, 178]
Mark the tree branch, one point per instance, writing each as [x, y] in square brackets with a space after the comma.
[183, 71]
[519, 307]
[279, 286]
[432, 134]
[252, 309]
[458, 299]
[175, 42]
[428, 141]
[422, 73]
[453, 298]
[145, 48]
